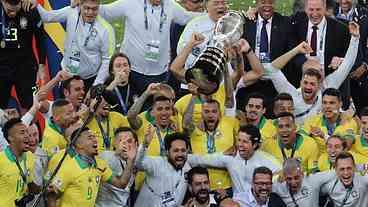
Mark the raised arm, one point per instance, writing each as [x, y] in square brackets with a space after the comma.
[143, 162]
[133, 118]
[115, 9]
[211, 160]
[257, 70]
[335, 79]
[302, 48]
[177, 66]
[188, 125]
[60, 15]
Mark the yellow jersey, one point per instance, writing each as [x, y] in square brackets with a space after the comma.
[324, 164]
[360, 146]
[224, 138]
[182, 104]
[12, 185]
[305, 149]
[114, 121]
[53, 139]
[267, 128]
[343, 128]
[79, 182]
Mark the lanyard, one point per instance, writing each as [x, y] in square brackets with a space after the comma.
[330, 128]
[21, 172]
[161, 16]
[89, 31]
[105, 134]
[2, 24]
[292, 197]
[293, 149]
[161, 140]
[211, 145]
[347, 195]
[123, 104]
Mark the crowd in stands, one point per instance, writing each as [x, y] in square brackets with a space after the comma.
[287, 126]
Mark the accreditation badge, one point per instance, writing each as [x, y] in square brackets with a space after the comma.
[152, 53]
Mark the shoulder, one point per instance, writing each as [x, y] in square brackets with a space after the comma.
[275, 200]
[197, 22]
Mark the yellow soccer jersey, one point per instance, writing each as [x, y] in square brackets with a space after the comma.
[182, 104]
[343, 128]
[79, 183]
[306, 151]
[12, 186]
[224, 139]
[154, 148]
[267, 128]
[360, 146]
[115, 120]
[53, 139]
[324, 164]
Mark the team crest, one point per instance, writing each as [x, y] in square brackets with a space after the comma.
[23, 23]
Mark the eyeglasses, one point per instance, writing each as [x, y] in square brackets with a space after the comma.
[263, 184]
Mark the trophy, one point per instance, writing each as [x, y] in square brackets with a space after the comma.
[208, 69]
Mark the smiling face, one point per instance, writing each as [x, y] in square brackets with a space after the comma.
[254, 110]
[19, 137]
[210, 115]
[33, 137]
[346, 5]
[334, 147]
[75, 93]
[294, 179]
[89, 10]
[315, 10]
[286, 130]
[216, 9]
[201, 188]
[87, 143]
[177, 154]
[262, 187]
[245, 147]
[162, 111]
[309, 86]
[265, 8]
[345, 171]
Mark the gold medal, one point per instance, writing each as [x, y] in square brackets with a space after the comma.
[2, 44]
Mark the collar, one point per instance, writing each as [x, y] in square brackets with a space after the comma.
[261, 123]
[252, 199]
[55, 127]
[343, 16]
[149, 117]
[320, 25]
[9, 154]
[325, 122]
[85, 161]
[363, 141]
[260, 20]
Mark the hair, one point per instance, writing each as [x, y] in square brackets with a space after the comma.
[126, 129]
[262, 170]
[283, 97]
[58, 104]
[312, 72]
[344, 145]
[285, 114]
[9, 125]
[256, 96]
[363, 112]
[212, 101]
[253, 132]
[66, 83]
[74, 137]
[292, 164]
[170, 138]
[196, 171]
[342, 156]
[111, 65]
[83, 1]
[161, 98]
[332, 92]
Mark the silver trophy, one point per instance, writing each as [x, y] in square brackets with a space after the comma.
[208, 69]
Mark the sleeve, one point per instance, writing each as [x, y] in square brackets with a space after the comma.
[60, 15]
[213, 160]
[182, 16]
[321, 178]
[31, 167]
[335, 79]
[147, 164]
[107, 50]
[280, 82]
[185, 37]
[27, 118]
[114, 10]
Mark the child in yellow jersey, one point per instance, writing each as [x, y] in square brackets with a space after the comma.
[16, 165]
[80, 187]
[291, 144]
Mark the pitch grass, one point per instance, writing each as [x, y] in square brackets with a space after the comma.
[282, 6]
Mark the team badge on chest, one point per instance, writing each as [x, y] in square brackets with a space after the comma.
[23, 23]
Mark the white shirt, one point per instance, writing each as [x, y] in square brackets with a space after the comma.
[333, 80]
[240, 170]
[358, 196]
[308, 194]
[321, 39]
[109, 195]
[162, 180]
[95, 42]
[246, 199]
[258, 34]
[136, 36]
